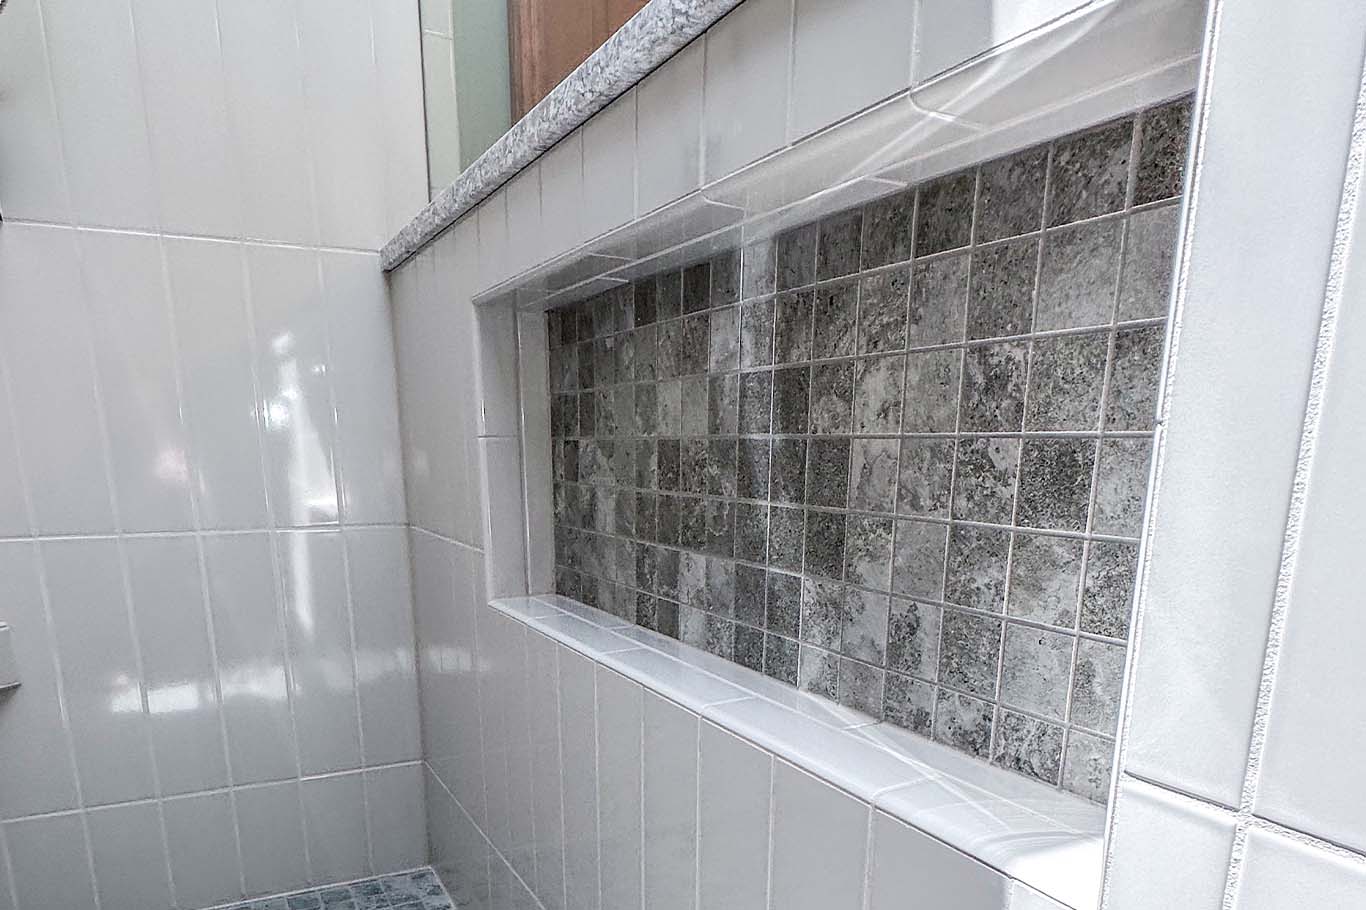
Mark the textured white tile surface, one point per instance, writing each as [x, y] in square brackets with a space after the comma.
[32, 181]
[668, 129]
[1184, 848]
[334, 820]
[202, 844]
[578, 728]
[670, 849]
[1279, 871]
[270, 823]
[906, 861]
[123, 838]
[820, 836]
[734, 784]
[396, 818]
[50, 862]
[619, 731]
[747, 68]
[609, 166]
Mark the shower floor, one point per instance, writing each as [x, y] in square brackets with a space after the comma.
[419, 889]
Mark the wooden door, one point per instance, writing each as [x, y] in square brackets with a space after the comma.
[551, 37]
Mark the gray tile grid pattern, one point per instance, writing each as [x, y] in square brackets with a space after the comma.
[898, 457]
[419, 889]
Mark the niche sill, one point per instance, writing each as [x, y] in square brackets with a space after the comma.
[1042, 838]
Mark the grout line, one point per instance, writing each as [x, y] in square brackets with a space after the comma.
[7, 869]
[239, 240]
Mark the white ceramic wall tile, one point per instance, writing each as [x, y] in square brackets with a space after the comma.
[533, 374]
[496, 657]
[1206, 608]
[524, 219]
[208, 290]
[521, 823]
[668, 129]
[734, 784]
[1184, 847]
[398, 835]
[187, 117]
[270, 821]
[580, 782]
[747, 73]
[202, 841]
[820, 836]
[335, 822]
[269, 118]
[907, 861]
[442, 115]
[34, 749]
[361, 364]
[6, 890]
[130, 318]
[619, 730]
[495, 249]
[1023, 897]
[32, 181]
[398, 58]
[381, 607]
[14, 518]
[562, 195]
[50, 862]
[948, 32]
[47, 355]
[546, 791]
[130, 862]
[670, 794]
[504, 527]
[321, 660]
[496, 353]
[102, 113]
[249, 636]
[609, 166]
[101, 679]
[840, 64]
[1279, 871]
[290, 323]
[178, 663]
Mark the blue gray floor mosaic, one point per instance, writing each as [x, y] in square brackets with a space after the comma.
[416, 890]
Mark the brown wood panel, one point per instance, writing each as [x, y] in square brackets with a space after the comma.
[549, 38]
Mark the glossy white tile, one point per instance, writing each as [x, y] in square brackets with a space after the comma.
[335, 825]
[609, 166]
[442, 116]
[1280, 871]
[1185, 846]
[50, 862]
[202, 841]
[619, 731]
[533, 374]
[14, 511]
[504, 520]
[906, 861]
[820, 836]
[398, 59]
[524, 218]
[496, 353]
[270, 822]
[580, 782]
[495, 246]
[32, 180]
[130, 861]
[734, 785]
[546, 790]
[747, 69]
[947, 33]
[670, 813]
[396, 818]
[494, 670]
[562, 195]
[668, 129]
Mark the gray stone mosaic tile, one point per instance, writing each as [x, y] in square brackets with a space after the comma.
[825, 544]
[918, 559]
[1066, 378]
[1149, 256]
[864, 635]
[926, 476]
[1089, 173]
[835, 311]
[780, 658]
[943, 217]
[643, 294]
[1108, 590]
[751, 531]
[882, 310]
[860, 687]
[975, 569]
[724, 351]
[786, 538]
[1121, 485]
[1078, 275]
[1035, 667]
[887, 229]
[1045, 578]
[756, 333]
[868, 551]
[1010, 198]
[793, 314]
[939, 295]
[1163, 136]
[1029, 746]
[1001, 289]
[963, 722]
[837, 247]
[825, 604]
[758, 269]
[827, 472]
[723, 405]
[985, 474]
[969, 652]
[756, 402]
[913, 638]
[877, 397]
[832, 398]
[783, 603]
[908, 703]
[749, 647]
[787, 482]
[932, 390]
[1055, 483]
[993, 388]
[696, 287]
[1132, 398]
[796, 257]
[872, 474]
[725, 278]
[1086, 769]
[791, 399]
[1096, 685]
[818, 672]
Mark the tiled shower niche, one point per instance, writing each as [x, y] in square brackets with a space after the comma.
[897, 457]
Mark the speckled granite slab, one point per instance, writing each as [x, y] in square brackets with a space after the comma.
[652, 36]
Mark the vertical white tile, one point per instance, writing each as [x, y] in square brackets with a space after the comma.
[948, 32]
[208, 291]
[820, 837]
[398, 57]
[504, 516]
[495, 632]
[413, 347]
[1281, 872]
[14, 518]
[39, 775]
[47, 354]
[546, 797]
[580, 781]
[620, 728]
[745, 116]
[130, 319]
[103, 689]
[182, 692]
[669, 129]
[1170, 851]
[292, 372]
[734, 785]
[460, 854]
[341, 90]
[249, 636]
[203, 849]
[360, 334]
[670, 795]
[443, 117]
[494, 248]
[382, 607]
[50, 862]
[609, 166]
[533, 368]
[268, 117]
[562, 195]
[6, 887]
[187, 116]
[32, 182]
[496, 353]
[906, 861]
[398, 835]
[515, 684]
[99, 103]
[270, 820]
[334, 821]
[525, 247]
[130, 861]
[318, 633]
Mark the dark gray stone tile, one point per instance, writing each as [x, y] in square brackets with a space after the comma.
[837, 249]
[668, 511]
[780, 658]
[825, 544]
[824, 606]
[932, 391]
[1010, 198]
[749, 647]
[786, 538]
[791, 399]
[1086, 770]
[719, 593]
[723, 405]
[644, 295]
[835, 309]
[787, 481]
[756, 402]
[963, 722]
[1121, 486]
[663, 618]
[984, 484]
[783, 606]
[943, 218]
[975, 574]
[693, 344]
[1149, 255]
[647, 409]
[796, 257]
[668, 460]
[1096, 685]
[1001, 293]
[860, 687]
[758, 269]
[585, 359]
[646, 353]
[692, 465]
[913, 639]
[756, 333]
[1045, 578]
[1131, 403]
[725, 278]
[719, 636]
[696, 287]
[882, 309]
[872, 474]
[818, 672]
[604, 361]
[752, 461]
[724, 351]
[827, 472]
[918, 559]
[1066, 377]
[1055, 483]
[926, 476]
[669, 407]
[1077, 277]
[832, 398]
[692, 523]
[887, 227]
[721, 467]
[939, 294]
[868, 552]
[692, 580]
[969, 649]
[1163, 136]
[647, 464]
[606, 414]
[878, 383]
[792, 326]
[668, 358]
[1036, 667]
[1108, 592]
[1088, 173]
[908, 703]
[647, 562]
[751, 532]
[1028, 746]
[666, 572]
[993, 388]
[604, 315]
[720, 517]
[865, 627]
